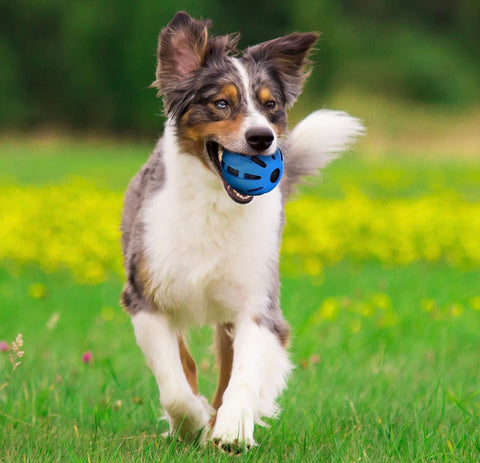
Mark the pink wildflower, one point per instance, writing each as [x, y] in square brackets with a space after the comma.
[87, 357]
[4, 346]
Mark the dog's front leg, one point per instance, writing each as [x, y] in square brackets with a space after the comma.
[187, 413]
[259, 370]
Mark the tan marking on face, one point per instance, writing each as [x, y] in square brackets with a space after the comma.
[279, 129]
[226, 133]
[185, 116]
[264, 95]
[230, 92]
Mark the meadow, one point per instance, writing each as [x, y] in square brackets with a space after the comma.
[381, 285]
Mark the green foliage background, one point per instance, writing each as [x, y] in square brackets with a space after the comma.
[87, 65]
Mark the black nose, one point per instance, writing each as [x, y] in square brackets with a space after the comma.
[259, 138]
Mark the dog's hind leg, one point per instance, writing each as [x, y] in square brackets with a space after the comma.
[259, 371]
[188, 364]
[187, 412]
[224, 354]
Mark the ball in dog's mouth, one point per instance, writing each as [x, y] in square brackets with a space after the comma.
[215, 152]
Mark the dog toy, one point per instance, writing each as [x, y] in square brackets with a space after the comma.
[252, 175]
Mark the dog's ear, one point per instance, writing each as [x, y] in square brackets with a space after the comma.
[287, 58]
[182, 46]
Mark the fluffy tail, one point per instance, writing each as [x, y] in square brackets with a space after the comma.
[318, 139]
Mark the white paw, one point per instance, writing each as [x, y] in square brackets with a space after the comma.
[233, 430]
[186, 418]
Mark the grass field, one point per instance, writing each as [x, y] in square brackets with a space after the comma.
[383, 295]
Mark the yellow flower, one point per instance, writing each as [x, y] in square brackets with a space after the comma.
[475, 303]
[456, 310]
[327, 311]
[107, 313]
[37, 291]
[366, 309]
[381, 301]
[428, 304]
[355, 326]
[75, 226]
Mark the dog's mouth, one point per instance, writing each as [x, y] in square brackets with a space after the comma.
[215, 153]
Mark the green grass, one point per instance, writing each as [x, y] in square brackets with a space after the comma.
[111, 165]
[407, 392]
[363, 389]
[49, 161]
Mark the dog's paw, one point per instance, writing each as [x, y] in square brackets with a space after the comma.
[233, 446]
[233, 430]
[187, 419]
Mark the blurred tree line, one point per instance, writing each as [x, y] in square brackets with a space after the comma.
[88, 64]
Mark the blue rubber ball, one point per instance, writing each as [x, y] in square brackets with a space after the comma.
[252, 175]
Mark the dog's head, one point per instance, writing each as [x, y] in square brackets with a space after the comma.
[221, 98]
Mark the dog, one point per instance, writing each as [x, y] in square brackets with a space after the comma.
[198, 252]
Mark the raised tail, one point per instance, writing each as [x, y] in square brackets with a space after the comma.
[316, 140]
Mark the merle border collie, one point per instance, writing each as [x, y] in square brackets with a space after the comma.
[198, 252]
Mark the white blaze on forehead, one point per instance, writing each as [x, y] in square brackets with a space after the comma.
[245, 79]
[253, 118]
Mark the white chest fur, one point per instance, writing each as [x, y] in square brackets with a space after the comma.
[209, 258]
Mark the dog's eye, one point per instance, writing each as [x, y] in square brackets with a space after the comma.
[270, 104]
[221, 104]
